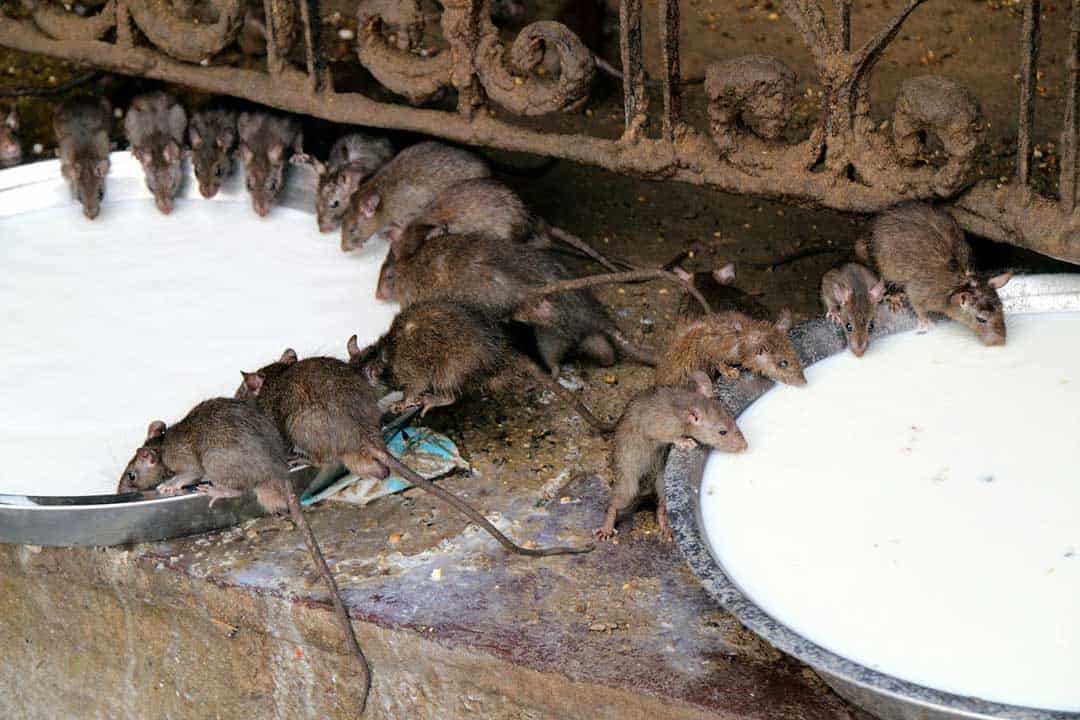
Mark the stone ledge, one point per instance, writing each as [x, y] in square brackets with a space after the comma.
[236, 624]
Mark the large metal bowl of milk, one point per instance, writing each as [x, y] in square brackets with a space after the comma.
[136, 316]
[908, 524]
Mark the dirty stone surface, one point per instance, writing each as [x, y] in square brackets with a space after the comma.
[236, 624]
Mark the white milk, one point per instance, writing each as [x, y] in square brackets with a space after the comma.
[109, 324]
[918, 510]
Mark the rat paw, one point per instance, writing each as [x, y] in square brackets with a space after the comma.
[895, 301]
[605, 533]
[685, 443]
[834, 317]
[729, 371]
[925, 325]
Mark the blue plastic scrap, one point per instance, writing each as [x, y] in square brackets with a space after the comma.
[431, 454]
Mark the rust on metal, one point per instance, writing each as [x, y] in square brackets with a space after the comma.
[1029, 67]
[1069, 135]
[635, 101]
[672, 76]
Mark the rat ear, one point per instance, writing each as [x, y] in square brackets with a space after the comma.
[393, 233]
[693, 416]
[253, 381]
[195, 137]
[101, 168]
[783, 323]
[999, 281]
[245, 154]
[226, 139]
[681, 273]
[146, 456]
[702, 383]
[172, 152]
[963, 298]
[274, 152]
[288, 357]
[369, 205]
[353, 346]
[877, 292]
[724, 275]
[12, 120]
[842, 293]
[544, 310]
[156, 429]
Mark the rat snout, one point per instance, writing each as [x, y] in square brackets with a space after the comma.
[858, 348]
[91, 210]
[260, 205]
[164, 204]
[208, 189]
[326, 225]
[993, 339]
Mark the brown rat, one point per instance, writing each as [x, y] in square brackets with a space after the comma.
[267, 141]
[235, 448]
[851, 294]
[353, 159]
[500, 278]
[10, 147]
[155, 126]
[328, 410]
[82, 133]
[921, 249]
[653, 421]
[403, 187]
[741, 333]
[483, 206]
[212, 134]
[437, 351]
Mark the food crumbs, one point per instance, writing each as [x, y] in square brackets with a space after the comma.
[436, 574]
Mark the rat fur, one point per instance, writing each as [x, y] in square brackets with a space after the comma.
[213, 135]
[267, 141]
[82, 133]
[10, 146]
[155, 126]
[921, 249]
[235, 448]
[437, 351]
[353, 159]
[403, 187]
[851, 294]
[653, 421]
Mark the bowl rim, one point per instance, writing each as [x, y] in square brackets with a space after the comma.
[816, 340]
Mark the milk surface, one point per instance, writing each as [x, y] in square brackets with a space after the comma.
[135, 316]
[918, 510]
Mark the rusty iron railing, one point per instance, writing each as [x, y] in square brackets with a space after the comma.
[848, 163]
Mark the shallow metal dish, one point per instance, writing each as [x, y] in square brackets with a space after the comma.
[883, 695]
[134, 517]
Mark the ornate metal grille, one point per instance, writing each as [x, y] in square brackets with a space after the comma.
[848, 163]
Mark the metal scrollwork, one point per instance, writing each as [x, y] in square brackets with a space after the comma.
[511, 82]
[60, 24]
[183, 38]
[398, 66]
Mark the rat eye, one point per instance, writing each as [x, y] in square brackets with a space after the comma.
[250, 182]
[273, 186]
[334, 204]
[849, 327]
[980, 319]
[218, 172]
[870, 327]
[101, 194]
[130, 476]
[783, 364]
[723, 432]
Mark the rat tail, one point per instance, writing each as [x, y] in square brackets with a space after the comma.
[797, 255]
[578, 244]
[534, 371]
[273, 495]
[297, 514]
[469, 511]
[630, 349]
[629, 276]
